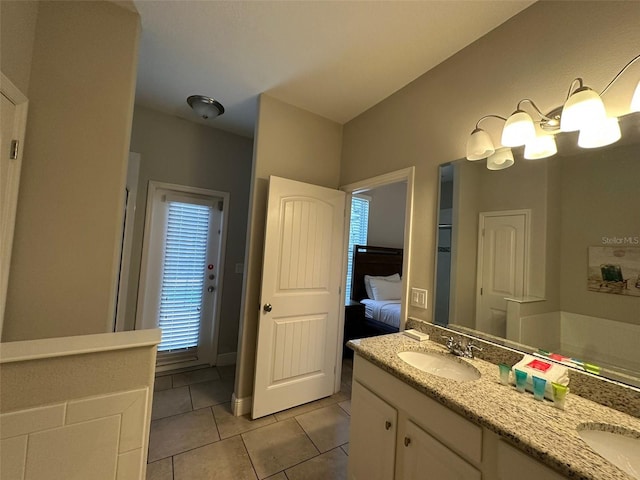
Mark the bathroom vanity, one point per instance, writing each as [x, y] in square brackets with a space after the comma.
[408, 424]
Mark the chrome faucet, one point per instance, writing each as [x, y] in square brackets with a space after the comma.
[462, 347]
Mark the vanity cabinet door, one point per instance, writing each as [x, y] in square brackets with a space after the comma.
[425, 458]
[512, 463]
[372, 436]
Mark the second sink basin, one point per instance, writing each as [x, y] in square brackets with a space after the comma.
[620, 448]
[442, 365]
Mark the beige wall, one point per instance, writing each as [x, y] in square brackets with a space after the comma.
[290, 143]
[427, 122]
[69, 217]
[174, 150]
[599, 199]
[386, 215]
[17, 34]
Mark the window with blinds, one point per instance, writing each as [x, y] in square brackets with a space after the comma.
[183, 277]
[357, 233]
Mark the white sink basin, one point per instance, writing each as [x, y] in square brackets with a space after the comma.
[442, 365]
[622, 449]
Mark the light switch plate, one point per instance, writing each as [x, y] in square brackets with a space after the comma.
[418, 298]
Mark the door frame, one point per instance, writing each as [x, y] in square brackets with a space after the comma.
[153, 187]
[361, 187]
[8, 215]
[133, 172]
[527, 245]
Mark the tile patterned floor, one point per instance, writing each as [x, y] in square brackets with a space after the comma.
[194, 435]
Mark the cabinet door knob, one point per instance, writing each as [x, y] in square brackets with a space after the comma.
[387, 425]
[407, 441]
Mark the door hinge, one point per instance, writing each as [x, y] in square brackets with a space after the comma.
[13, 154]
[480, 290]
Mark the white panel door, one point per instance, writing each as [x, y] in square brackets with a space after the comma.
[300, 296]
[501, 268]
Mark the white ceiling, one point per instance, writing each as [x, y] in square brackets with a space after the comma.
[333, 58]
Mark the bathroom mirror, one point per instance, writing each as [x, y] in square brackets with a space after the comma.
[545, 254]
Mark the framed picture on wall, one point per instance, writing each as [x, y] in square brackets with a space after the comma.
[614, 269]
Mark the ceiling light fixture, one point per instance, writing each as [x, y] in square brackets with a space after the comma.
[205, 107]
[582, 111]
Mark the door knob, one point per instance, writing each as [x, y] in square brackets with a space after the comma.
[267, 307]
[387, 425]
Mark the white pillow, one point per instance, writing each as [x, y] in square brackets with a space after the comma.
[367, 282]
[386, 290]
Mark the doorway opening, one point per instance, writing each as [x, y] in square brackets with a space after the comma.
[390, 204]
[180, 285]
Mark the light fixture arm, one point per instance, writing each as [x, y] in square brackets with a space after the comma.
[571, 90]
[488, 116]
[633, 60]
[533, 104]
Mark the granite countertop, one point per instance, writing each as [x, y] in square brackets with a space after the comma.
[537, 428]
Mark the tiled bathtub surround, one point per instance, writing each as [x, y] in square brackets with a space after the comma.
[100, 437]
[597, 389]
[537, 428]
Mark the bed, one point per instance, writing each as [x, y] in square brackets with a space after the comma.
[376, 283]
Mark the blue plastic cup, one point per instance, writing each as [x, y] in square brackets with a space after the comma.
[539, 384]
[521, 380]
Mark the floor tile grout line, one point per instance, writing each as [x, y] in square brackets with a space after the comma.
[248, 455]
[186, 451]
[215, 423]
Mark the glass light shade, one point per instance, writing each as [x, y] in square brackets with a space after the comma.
[542, 146]
[518, 130]
[503, 158]
[205, 107]
[600, 134]
[479, 145]
[206, 110]
[582, 108]
[635, 101]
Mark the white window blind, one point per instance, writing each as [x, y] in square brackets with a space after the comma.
[357, 233]
[183, 277]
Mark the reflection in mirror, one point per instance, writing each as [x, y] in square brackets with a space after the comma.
[546, 254]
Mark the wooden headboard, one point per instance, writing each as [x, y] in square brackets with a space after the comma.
[368, 260]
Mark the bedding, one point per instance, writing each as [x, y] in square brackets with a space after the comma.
[376, 282]
[385, 290]
[367, 281]
[385, 311]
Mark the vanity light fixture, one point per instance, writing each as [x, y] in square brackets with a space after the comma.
[479, 144]
[503, 158]
[582, 111]
[518, 130]
[205, 107]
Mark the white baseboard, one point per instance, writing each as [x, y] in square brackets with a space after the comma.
[240, 406]
[226, 359]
